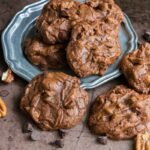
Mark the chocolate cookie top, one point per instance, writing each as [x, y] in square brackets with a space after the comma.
[93, 47]
[120, 113]
[136, 68]
[108, 10]
[55, 100]
[45, 56]
[58, 17]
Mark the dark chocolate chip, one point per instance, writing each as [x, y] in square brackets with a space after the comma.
[61, 133]
[102, 139]
[58, 143]
[10, 138]
[4, 93]
[4, 119]
[146, 36]
[35, 136]
[27, 127]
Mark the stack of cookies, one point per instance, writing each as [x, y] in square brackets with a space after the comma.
[83, 36]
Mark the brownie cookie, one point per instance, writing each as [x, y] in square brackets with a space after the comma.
[108, 10]
[45, 56]
[55, 100]
[136, 68]
[58, 17]
[93, 47]
[120, 113]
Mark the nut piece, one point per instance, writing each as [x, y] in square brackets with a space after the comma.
[143, 141]
[3, 109]
[62, 133]
[8, 76]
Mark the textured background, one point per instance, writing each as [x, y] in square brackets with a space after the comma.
[78, 138]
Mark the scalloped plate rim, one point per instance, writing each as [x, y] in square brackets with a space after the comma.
[133, 40]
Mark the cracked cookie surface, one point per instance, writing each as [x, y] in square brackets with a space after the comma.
[94, 46]
[120, 113]
[55, 101]
[45, 56]
[59, 16]
[136, 68]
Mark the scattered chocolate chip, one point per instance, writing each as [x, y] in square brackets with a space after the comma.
[4, 93]
[61, 133]
[27, 127]
[102, 139]
[146, 36]
[58, 143]
[35, 136]
[4, 119]
[10, 138]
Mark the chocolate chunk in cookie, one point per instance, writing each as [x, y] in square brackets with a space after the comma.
[45, 56]
[120, 113]
[94, 46]
[136, 68]
[55, 100]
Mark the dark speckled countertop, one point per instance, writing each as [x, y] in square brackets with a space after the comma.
[78, 138]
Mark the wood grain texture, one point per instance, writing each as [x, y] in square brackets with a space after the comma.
[78, 138]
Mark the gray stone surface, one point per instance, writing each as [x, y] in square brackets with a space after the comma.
[79, 137]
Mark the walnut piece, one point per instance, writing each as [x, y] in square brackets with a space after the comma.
[143, 141]
[3, 108]
[8, 76]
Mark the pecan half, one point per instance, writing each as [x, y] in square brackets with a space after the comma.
[143, 141]
[7, 76]
[3, 108]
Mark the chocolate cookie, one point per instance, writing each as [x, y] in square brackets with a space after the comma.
[45, 56]
[55, 100]
[58, 17]
[108, 10]
[93, 47]
[120, 113]
[136, 68]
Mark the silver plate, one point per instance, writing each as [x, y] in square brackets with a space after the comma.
[23, 25]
